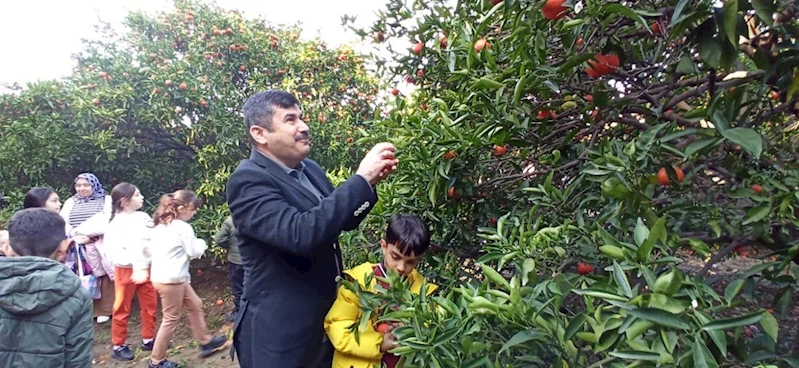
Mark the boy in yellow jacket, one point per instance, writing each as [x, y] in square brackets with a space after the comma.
[406, 241]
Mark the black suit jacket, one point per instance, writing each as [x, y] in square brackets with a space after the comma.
[291, 257]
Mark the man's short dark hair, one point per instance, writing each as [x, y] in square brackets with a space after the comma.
[260, 108]
[36, 232]
[409, 234]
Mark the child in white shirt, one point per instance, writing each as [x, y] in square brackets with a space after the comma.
[173, 244]
[126, 236]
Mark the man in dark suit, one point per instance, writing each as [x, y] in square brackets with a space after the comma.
[289, 218]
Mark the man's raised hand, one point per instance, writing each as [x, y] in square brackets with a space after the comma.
[378, 163]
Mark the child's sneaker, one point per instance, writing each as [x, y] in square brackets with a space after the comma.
[163, 364]
[122, 353]
[148, 346]
[213, 346]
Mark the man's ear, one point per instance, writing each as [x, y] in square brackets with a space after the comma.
[383, 244]
[257, 134]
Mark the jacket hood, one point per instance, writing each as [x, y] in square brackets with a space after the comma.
[33, 285]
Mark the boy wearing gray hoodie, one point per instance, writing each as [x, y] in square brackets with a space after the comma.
[45, 313]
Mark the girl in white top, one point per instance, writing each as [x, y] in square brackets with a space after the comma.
[126, 236]
[173, 244]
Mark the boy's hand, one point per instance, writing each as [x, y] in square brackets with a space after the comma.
[389, 342]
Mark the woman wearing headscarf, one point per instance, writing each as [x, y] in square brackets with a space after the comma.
[89, 201]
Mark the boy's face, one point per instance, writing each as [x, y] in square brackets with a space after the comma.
[397, 261]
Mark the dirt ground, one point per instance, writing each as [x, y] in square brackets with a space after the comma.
[727, 271]
[210, 280]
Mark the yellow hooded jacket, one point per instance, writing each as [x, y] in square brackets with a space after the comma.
[346, 310]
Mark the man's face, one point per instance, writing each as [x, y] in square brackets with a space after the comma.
[403, 264]
[288, 138]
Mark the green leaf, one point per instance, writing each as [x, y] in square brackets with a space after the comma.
[575, 325]
[521, 337]
[719, 337]
[625, 11]
[732, 290]
[621, 280]
[765, 10]
[699, 247]
[703, 358]
[660, 317]
[641, 232]
[487, 83]
[648, 139]
[554, 87]
[757, 269]
[719, 120]
[710, 51]
[667, 303]
[756, 214]
[607, 238]
[731, 21]
[528, 267]
[599, 294]
[784, 299]
[658, 232]
[697, 146]
[636, 355]
[730, 323]
[792, 360]
[519, 89]
[479, 362]
[686, 66]
[748, 138]
[678, 10]
[770, 325]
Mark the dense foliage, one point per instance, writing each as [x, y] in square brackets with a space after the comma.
[545, 135]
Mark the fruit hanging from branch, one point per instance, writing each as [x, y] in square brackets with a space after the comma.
[481, 44]
[554, 9]
[601, 65]
[663, 176]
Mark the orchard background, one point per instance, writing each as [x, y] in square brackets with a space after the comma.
[585, 165]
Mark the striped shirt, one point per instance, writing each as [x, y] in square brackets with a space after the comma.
[82, 211]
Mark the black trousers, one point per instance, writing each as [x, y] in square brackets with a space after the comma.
[236, 283]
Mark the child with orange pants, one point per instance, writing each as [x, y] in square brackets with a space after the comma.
[126, 238]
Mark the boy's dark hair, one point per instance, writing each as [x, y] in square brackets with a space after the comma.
[36, 232]
[408, 233]
[37, 197]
